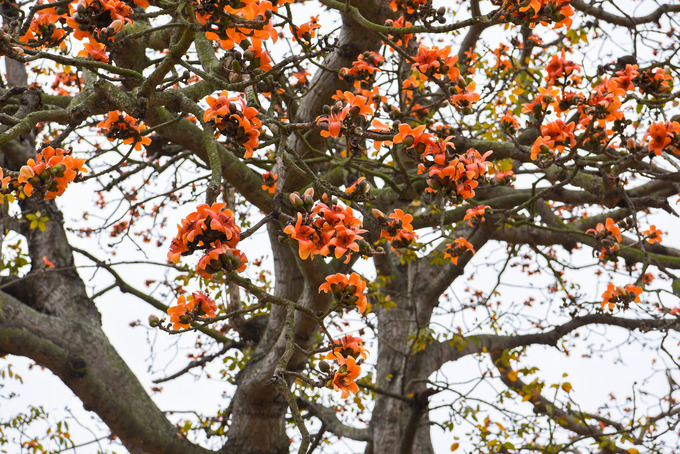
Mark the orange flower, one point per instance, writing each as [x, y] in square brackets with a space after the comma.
[414, 138]
[343, 380]
[609, 228]
[653, 235]
[232, 118]
[51, 171]
[332, 122]
[560, 67]
[399, 231]
[356, 104]
[124, 127]
[306, 31]
[347, 346]
[455, 252]
[624, 295]
[197, 305]
[207, 227]
[221, 258]
[344, 240]
[348, 291]
[509, 123]
[306, 236]
[95, 50]
[269, 182]
[179, 314]
[662, 135]
[476, 214]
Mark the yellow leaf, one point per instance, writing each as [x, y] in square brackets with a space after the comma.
[566, 386]
[455, 446]
[632, 451]
[512, 375]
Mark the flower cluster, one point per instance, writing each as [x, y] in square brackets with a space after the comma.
[541, 11]
[324, 229]
[346, 353]
[43, 33]
[231, 22]
[608, 236]
[350, 110]
[463, 95]
[457, 249]
[560, 69]
[348, 291]
[98, 20]
[408, 6]
[663, 135]
[624, 295]
[197, 305]
[50, 172]
[555, 136]
[398, 230]
[232, 118]
[210, 228]
[363, 70]
[436, 62]
[123, 127]
[654, 81]
[455, 176]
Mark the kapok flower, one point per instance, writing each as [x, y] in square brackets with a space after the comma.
[343, 380]
[95, 50]
[332, 123]
[197, 305]
[509, 123]
[653, 235]
[662, 134]
[348, 291]
[398, 231]
[455, 251]
[560, 67]
[51, 171]
[416, 138]
[475, 215]
[221, 258]
[122, 126]
[624, 295]
[324, 230]
[347, 346]
[306, 31]
[608, 236]
[608, 229]
[269, 182]
[232, 118]
[206, 228]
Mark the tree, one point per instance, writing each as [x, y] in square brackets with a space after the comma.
[384, 159]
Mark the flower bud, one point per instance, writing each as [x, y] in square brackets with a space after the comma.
[379, 215]
[324, 366]
[154, 321]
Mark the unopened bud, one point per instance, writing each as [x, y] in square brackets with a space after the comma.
[324, 366]
[154, 321]
[116, 25]
[295, 200]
